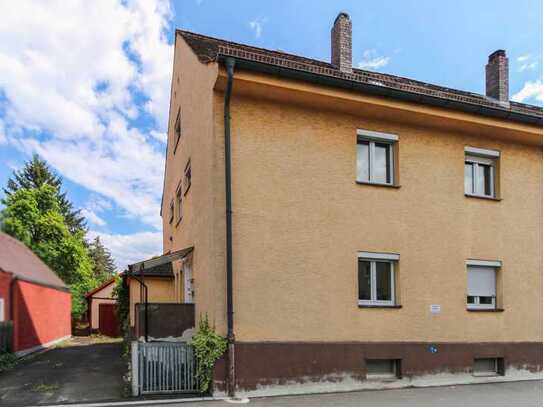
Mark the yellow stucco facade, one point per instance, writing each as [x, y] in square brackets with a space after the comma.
[160, 290]
[300, 218]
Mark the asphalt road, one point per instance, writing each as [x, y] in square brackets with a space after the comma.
[517, 394]
[79, 370]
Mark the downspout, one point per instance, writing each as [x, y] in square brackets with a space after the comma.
[145, 290]
[231, 377]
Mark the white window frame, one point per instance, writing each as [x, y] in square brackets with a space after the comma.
[2, 310]
[178, 203]
[477, 157]
[373, 258]
[494, 265]
[372, 137]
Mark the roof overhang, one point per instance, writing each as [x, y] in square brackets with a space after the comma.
[383, 91]
[159, 260]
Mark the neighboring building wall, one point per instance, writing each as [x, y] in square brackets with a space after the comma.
[97, 299]
[41, 315]
[203, 215]
[5, 281]
[161, 290]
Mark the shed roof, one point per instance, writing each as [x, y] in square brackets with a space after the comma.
[19, 260]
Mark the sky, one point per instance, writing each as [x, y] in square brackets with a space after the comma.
[86, 84]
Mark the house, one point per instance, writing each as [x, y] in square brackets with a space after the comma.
[102, 309]
[160, 302]
[33, 297]
[354, 229]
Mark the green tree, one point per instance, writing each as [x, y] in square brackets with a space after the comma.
[34, 217]
[103, 264]
[36, 173]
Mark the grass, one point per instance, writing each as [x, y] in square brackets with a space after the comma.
[88, 340]
[44, 388]
[7, 361]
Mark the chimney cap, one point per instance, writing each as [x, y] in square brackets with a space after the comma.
[497, 53]
[342, 14]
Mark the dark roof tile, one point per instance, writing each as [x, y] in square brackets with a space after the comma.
[209, 49]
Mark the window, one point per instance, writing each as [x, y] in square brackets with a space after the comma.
[376, 279]
[480, 172]
[488, 367]
[172, 206]
[179, 203]
[481, 284]
[382, 368]
[177, 130]
[2, 310]
[375, 157]
[188, 177]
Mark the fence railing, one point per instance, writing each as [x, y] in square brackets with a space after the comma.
[6, 336]
[163, 367]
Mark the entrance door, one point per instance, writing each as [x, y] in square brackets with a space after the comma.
[187, 275]
[108, 323]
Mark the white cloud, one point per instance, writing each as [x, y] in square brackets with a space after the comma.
[159, 136]
[372, 61]
[530, 91]
[3, 138]
[528, 62]
[92, 217]
[70, 71]
[257, 25]
[130, 248]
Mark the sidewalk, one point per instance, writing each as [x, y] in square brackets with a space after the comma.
[517, 394]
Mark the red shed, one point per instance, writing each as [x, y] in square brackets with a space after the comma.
[33, 297]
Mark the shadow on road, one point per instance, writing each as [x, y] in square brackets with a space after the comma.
[82, 369]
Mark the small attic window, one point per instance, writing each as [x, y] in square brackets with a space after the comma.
[177, 130]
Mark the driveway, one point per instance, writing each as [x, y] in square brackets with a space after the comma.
[80, 369]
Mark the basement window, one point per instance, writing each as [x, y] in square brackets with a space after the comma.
[375, 157]
[488, 367]
[379, 369]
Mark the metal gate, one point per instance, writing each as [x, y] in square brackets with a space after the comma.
[163, 367]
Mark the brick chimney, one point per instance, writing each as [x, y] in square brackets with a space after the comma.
[497, 76]
[342, 43]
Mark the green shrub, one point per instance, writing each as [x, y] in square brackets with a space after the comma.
[7, 361]
[208, 348]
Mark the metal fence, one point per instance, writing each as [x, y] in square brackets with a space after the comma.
[163, 367]
[6, 336]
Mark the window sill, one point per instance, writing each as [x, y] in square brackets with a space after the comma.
[489, 198]
[378, 306]
[377, 184]
[484, 309]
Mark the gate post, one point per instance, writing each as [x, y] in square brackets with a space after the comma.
[135, 369]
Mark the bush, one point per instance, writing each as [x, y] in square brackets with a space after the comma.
[208, 348]
[7, 361]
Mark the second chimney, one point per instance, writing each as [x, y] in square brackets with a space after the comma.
[497, 76]
[342, 43]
